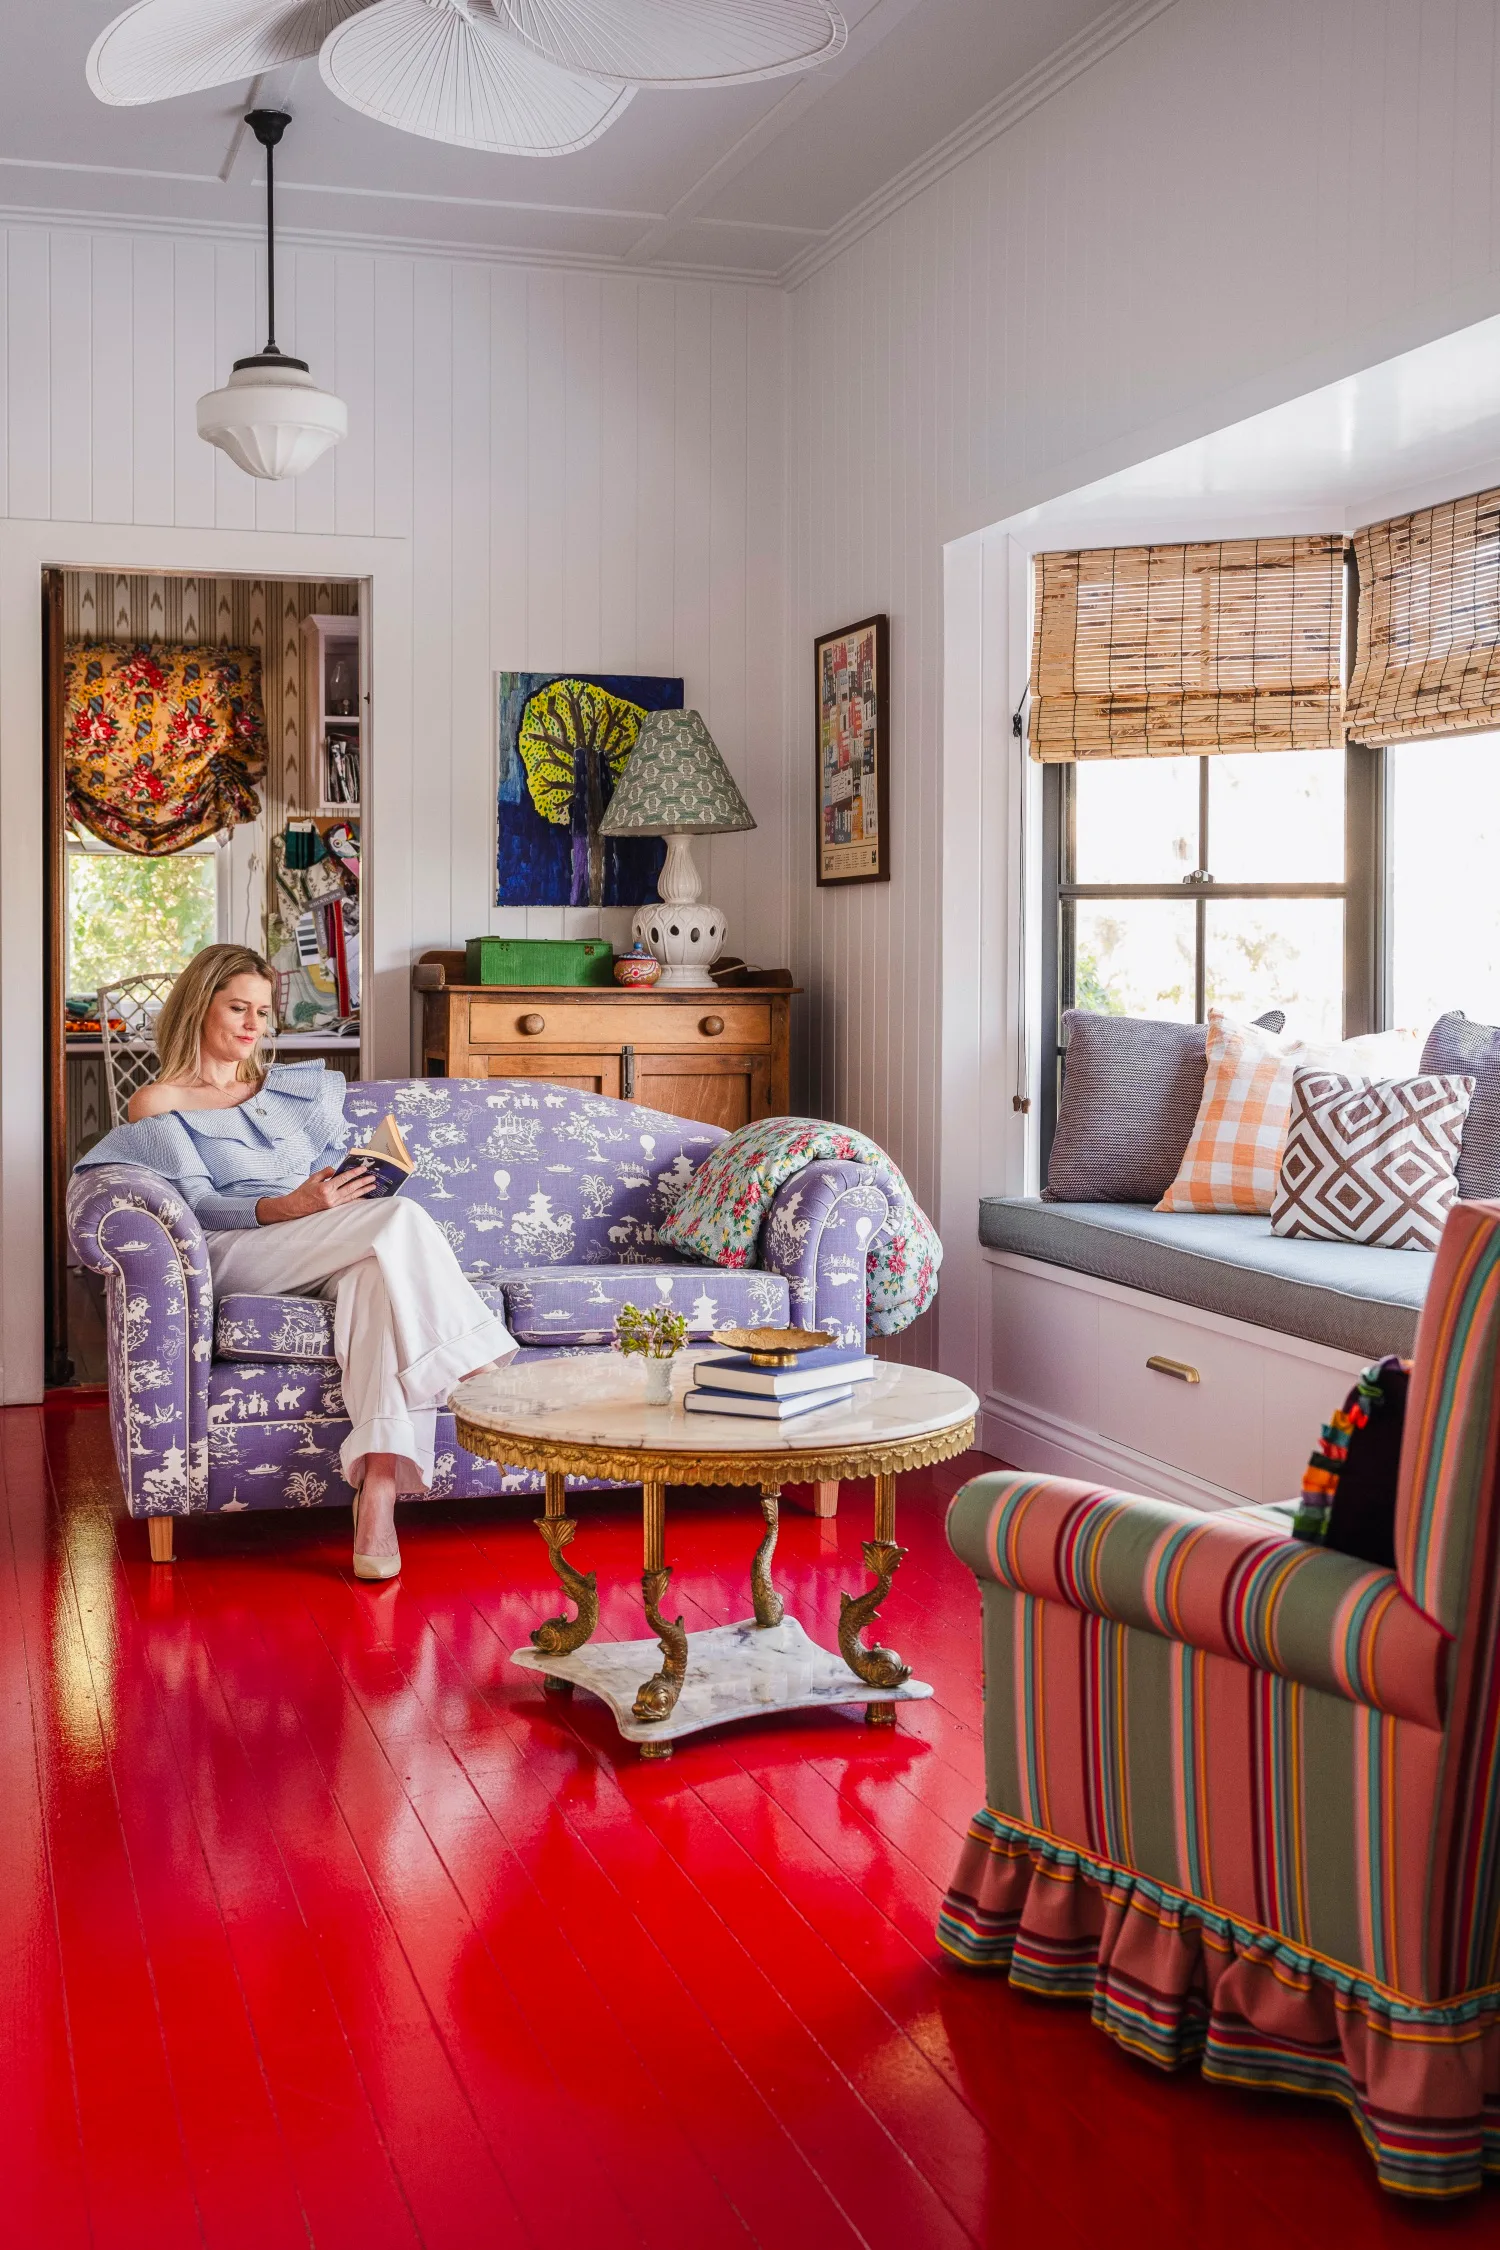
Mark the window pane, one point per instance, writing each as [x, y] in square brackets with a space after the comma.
[127, 916]
[1277, 817]
[1278, 953]
[1134, 957]
[1135, 820]
[1445, 896]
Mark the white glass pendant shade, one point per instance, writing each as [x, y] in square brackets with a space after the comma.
[447, 70]
[272, 418]
[678, 42]
[163, 47]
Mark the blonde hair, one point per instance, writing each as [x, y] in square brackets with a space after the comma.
[179, 1027]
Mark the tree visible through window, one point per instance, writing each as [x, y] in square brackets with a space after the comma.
[128, 916]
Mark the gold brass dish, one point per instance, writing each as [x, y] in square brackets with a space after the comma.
[773, 1347]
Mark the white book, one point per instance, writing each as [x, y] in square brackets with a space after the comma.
[762, 1409]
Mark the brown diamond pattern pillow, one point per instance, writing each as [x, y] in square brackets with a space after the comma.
[1371, 1163]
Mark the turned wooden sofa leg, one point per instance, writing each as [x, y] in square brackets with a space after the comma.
[159, 1532]
[826, 1498]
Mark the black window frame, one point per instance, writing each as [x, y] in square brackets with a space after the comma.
[1364, 892]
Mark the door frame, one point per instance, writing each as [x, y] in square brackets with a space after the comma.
[27, 549]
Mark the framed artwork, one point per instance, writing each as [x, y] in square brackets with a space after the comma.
[564, 738]
[852, 675]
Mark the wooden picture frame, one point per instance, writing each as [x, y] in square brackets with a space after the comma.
[851, 766]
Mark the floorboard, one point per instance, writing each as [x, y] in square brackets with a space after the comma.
[319, 1926]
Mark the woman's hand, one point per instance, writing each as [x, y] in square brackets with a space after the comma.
[325, 1191]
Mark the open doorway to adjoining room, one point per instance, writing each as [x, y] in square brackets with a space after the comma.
[206, 751]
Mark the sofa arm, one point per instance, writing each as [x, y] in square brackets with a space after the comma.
[1235, 1584]
[817, 1233]
[131, 1227]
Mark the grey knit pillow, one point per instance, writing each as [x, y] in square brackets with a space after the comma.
[1454, 1044]
[1130, 1096]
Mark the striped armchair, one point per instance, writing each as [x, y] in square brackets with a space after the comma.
[1244, 1794]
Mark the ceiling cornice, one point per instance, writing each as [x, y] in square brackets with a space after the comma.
[383, 245]
[1059, 69]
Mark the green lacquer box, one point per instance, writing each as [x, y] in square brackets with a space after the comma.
[502, 960]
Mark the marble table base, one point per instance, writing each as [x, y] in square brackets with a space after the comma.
[734, 1672]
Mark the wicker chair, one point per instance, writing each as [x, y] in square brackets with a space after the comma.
[130, 1053]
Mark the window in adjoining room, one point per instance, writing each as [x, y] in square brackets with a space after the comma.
[128, 915]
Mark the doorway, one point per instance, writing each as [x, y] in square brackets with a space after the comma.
[128, 898]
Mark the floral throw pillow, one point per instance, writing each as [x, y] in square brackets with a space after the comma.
[1374, 1163]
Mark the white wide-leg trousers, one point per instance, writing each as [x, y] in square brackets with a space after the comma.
[406, 1324]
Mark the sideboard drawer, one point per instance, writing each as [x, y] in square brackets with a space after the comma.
[538, 1021]
[1201, 1408]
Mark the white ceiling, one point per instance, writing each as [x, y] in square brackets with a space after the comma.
[742, 181]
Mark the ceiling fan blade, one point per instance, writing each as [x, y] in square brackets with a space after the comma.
[678, 42]
[431, 67]
[163, 47]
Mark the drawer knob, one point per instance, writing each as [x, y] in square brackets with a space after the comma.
[711, 1026]
[531, 1025]
[1177, 1368]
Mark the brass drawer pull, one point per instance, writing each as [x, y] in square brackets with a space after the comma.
[531, 1025]
[1175, 1367]
[711, 1026]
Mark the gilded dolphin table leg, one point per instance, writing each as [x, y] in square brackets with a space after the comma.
[877, 1667]
[657, 1697]
[560, 1636]
[769, 1608]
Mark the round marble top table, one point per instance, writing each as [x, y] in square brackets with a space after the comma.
[590, 1417]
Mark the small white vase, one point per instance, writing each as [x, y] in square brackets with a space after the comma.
[658, 1382]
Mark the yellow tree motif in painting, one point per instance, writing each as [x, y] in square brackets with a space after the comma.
[575, 736]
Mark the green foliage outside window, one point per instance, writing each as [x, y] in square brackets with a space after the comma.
[128, 916]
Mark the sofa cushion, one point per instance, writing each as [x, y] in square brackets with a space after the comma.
[1454, 1044]
[577, 1304]
[1370, 1163]
[1343, 1294]
[1130, 1094]
[284, 1329]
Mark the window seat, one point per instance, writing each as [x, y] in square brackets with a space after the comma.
[1337, 1294]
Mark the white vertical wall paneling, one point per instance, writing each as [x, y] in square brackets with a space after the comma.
[193, 372]
[29, 373]
[154, 313]
[432, 622]
[313, 278]
[235, 334]
[619, 467]
[70, 356]
[471, 782]
[765, 937]
[352, 375]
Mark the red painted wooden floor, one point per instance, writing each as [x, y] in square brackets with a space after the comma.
[319, 1926]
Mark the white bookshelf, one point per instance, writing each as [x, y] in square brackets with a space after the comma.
[331, 700]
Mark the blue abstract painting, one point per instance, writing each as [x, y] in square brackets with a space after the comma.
[565, 739]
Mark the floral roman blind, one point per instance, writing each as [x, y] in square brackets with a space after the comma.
[1165, 652]
[163, 745]
[1427, 640]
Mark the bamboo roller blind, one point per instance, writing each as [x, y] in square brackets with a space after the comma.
[1427, 648]
[1169, 651]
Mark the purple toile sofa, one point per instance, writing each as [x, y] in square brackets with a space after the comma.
[551, 1199]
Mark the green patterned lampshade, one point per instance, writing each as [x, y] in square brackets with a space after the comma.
[675, 784]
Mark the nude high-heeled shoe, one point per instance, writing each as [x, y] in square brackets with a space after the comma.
[373, 1567]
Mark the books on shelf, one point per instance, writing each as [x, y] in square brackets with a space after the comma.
[762, 1409]
[832, 1366]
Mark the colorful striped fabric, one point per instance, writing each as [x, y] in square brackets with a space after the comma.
[1244, 1793]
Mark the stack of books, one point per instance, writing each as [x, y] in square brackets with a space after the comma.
[730, 1383]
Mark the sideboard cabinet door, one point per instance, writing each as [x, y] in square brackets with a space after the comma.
[723, 1090]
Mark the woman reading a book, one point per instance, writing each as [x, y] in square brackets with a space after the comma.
[256, 1148]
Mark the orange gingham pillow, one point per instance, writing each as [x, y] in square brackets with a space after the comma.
[1233, 1156]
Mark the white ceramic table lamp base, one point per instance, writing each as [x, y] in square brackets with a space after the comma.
[685, 937]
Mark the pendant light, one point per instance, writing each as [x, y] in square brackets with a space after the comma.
[271, 417]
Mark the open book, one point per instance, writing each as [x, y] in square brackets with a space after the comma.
[386, 1155]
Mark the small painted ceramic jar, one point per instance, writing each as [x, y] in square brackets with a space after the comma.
[637, 967]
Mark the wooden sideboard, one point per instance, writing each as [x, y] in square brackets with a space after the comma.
[719, 1055]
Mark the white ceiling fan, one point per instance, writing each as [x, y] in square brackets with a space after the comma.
[514, 77]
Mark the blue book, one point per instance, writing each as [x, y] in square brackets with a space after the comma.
[834, 1367]
[386, 1156]
[761, 1408]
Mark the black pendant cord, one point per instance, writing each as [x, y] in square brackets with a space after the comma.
[268, 125]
